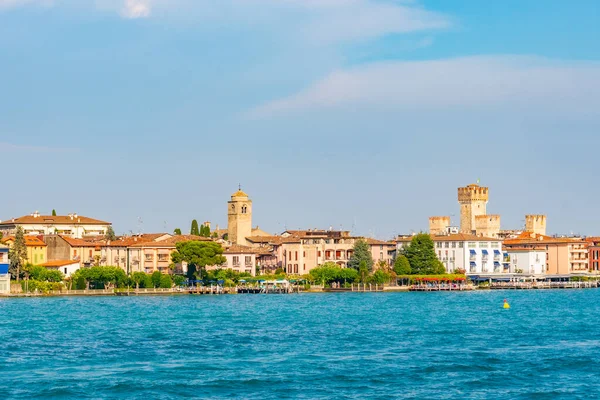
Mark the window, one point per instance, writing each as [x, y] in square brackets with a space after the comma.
[303, 254]
[461, 245]
[381, 255]
[472, 245]
[90, 253]
[319, 253]
[381, 247]
[244, 209]
[446, 245]
[236, 260]
[453, 245]
[248, 260]
[163, 257]
[74, 253]
[296, 256]
[65, 270]
[483, 244]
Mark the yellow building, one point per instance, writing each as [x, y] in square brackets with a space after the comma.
[36, 249]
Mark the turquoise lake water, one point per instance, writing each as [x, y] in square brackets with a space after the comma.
[348, 345]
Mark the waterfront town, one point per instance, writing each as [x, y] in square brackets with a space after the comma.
[477, 249]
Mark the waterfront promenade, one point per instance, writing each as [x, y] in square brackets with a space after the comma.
[355, 288]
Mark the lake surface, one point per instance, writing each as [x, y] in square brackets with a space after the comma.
[347, 345]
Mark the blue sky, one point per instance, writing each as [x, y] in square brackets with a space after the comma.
[359, 114]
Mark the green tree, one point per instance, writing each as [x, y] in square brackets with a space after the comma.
[362, 253]
[166, 282]
[18, 254]
[198, 255]
[138, 278]
[194, 230]
[363, 271]
[205, 231]
[80, 283]
[331, 272]
[54, 213]
[156, 276]
[177, 231]
[380, 277]
[401, 265]
[102, 277]
[178, 280]
[110, 234]
[421, 256]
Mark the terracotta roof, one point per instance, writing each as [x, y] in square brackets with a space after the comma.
[263, 239]
[372, 241]
[238, 249]
[31, 241]
[73, 242]
[456, 237]
[172, 241]
[54, 220]
[531, 238]
[59, 263]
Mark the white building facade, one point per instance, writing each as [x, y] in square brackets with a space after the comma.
[72, 225]
[525, 261]
[4, 275]
[470, 253]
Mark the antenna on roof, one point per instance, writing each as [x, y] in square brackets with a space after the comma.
[239, 186]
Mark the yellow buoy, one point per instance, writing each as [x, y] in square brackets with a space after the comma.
[506, 305]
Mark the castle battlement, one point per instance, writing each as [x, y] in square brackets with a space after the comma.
[473, 193]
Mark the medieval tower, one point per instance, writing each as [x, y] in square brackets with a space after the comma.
[439, 225]
[473, 200]
[239, 218]
[535, 224]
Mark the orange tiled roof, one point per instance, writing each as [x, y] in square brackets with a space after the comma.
[239, 249]
[531, 238]
[54, 220]
[172, 241]
[59, 263]
[73, 242]
[30, 241]
[372, 241]
[455, 237]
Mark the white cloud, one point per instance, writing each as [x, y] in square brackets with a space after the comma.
[319, 21]
[136, 9]
[471, 82]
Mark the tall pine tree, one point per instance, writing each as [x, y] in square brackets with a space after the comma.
[362, 253]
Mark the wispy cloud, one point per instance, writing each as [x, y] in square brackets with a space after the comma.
[510, 81]
[319, 21]
[7, 147]
[136, 9]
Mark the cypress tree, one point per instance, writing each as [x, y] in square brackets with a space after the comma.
[194, 229]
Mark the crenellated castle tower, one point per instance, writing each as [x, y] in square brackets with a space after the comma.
[473, 201]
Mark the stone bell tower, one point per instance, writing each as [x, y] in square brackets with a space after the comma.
[239, 218]
[473, 201]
